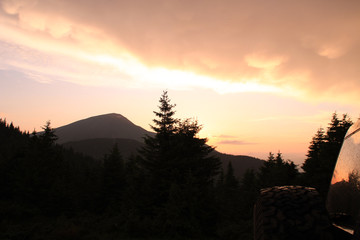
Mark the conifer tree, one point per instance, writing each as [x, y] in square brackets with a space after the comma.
[313, 160]
[192, 155]
[165, 125]
[48, 137]
[156, 150]
[276, 171]
[249, 189]
[41, 170]
[173, 157]
[230, 179]
[176, 149]
[229, 206]
[113, 175]
[323, 152]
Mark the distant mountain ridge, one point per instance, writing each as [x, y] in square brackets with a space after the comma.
[98, 147]
[95, 136]
[110, 125]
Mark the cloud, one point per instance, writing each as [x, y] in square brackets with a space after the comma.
[312, 47]
[224, 136]
[229, 140]
[259, 60]
[48, 67]
[234, 142]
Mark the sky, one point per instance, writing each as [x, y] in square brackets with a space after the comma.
[260, 76]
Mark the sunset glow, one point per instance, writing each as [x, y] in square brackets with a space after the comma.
[258, 76]
[180, 80]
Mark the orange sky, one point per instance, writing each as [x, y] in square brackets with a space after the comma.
[260, 76]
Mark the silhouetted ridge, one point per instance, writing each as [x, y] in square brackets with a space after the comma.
[240, 163]
[111, 125]
[95, 137]
[99, 147]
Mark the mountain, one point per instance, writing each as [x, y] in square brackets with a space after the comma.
[103, 126]
[95, 136]
[98, 147]
[240, 163]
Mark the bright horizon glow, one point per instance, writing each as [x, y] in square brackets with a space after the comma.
[181, 79]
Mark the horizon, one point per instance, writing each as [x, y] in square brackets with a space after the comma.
[260, 77]
[298, 163]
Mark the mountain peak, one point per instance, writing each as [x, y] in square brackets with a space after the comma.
[109, 115]
[111, 125]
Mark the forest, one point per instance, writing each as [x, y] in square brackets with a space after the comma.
[174, 188]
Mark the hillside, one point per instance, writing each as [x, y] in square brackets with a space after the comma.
[98, 147]
[48, 191]
[95, 136]
[240, 163]
[103, 126]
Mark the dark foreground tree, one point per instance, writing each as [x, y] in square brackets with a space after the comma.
[323, 152]
[113, 177]
[229, 205]
[176, 150]
[178, 163]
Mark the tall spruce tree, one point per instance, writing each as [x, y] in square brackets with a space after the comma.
[323, 152]
[157, 151]
[165, 126]
[173, 157]
[176, 150]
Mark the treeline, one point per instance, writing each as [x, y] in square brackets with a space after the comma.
[173, 189]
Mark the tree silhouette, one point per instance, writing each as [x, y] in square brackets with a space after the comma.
[314, 154]
[167, 191]
[177, 163]
[165, 125]
[48, 137]
[323, 152]
[230, 179]
[176, 150]
[229, 205]
[113, 176]
[277, 172]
